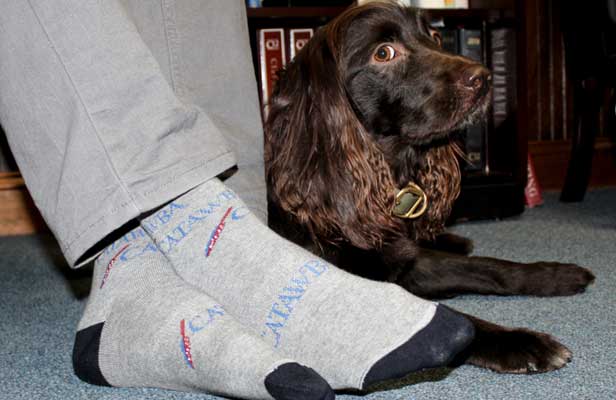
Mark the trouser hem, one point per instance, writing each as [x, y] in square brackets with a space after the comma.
[162, 190]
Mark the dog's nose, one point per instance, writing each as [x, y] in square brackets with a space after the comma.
[476, 77]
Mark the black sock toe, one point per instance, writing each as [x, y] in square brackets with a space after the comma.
[85, 355]
[295, 382]
[436, 345]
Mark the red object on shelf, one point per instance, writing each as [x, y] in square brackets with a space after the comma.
[272, 57]
[298, 38]
[532, 192]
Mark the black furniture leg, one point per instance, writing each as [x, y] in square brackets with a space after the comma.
[586, 128]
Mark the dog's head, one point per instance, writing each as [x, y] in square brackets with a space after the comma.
[399, 80]
[371, 91]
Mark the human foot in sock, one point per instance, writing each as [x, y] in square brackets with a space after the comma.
[143, 326]
[354, 332]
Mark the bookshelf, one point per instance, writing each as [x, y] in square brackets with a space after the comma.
[293, 12]
[497, 190]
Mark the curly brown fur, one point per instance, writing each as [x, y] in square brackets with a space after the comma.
[344, 196]
[367, 106]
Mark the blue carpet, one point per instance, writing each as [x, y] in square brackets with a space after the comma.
[41, 301]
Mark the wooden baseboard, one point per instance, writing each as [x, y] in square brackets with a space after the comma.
[551, 158]
[18, 214]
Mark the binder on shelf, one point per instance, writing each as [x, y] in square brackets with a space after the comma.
[471, 46]
[440, 3]
[401, 2]
[502, 41]
[298, 38]
[272, 57]
[253, 3]
[450, 40]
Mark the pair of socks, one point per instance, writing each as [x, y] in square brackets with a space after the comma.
[280, 312]
[143, 326]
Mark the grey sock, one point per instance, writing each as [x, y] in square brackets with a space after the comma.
[352, 331]
[249, 183]
[144, 326]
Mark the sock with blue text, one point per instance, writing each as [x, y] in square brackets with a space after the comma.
[352, 331]
[143, 326]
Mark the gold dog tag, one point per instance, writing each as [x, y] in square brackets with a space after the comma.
[411, 202]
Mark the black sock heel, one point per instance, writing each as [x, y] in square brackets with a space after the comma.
[425, 350]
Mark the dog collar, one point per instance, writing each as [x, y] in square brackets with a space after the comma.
[411, 202]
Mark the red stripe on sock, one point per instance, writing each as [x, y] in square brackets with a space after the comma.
[110, 265]
[186, 344]
[216, 233]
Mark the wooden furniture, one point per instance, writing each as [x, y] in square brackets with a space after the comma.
[589, 37]
[549, 94]
[18, 215]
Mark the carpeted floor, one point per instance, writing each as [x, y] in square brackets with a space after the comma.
[41, 301]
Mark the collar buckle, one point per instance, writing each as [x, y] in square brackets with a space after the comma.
[411, 202]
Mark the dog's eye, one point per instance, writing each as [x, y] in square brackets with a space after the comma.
[385, 53]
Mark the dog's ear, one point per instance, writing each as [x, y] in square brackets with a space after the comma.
[321, 165]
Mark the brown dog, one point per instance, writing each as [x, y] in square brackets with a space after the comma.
[365, 109]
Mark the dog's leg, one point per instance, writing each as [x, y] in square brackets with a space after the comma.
[434, 274]
[513, 350]
[450, 243]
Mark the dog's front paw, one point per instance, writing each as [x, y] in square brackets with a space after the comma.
[518, 351]
[556, 279]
